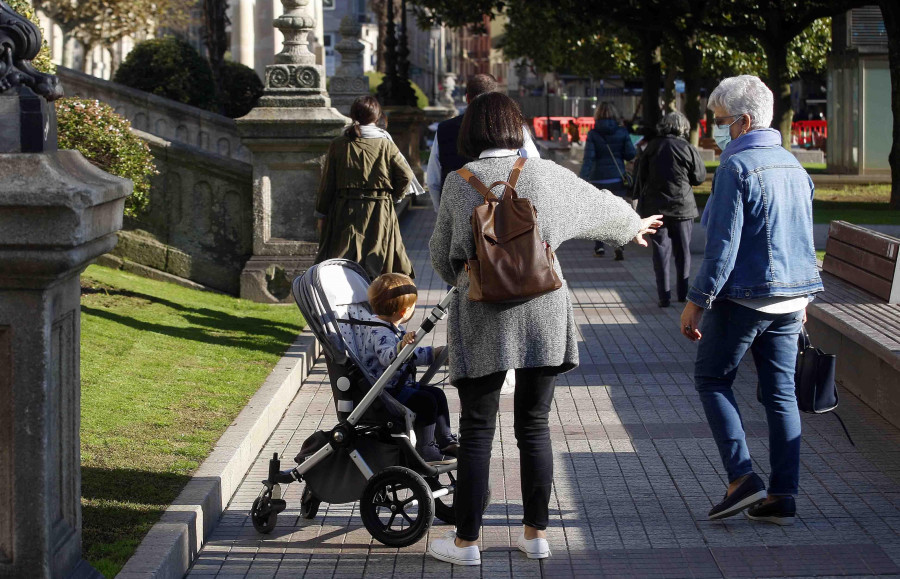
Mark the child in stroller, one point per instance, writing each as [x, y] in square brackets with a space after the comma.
[393, 298]
[368, 455]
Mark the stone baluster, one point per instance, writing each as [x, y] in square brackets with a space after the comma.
[349, 81]
[57, 213]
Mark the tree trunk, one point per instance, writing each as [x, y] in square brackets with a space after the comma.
[890, 11]
[215, 20]
[650, 66]
[780, 82]
[693, 60]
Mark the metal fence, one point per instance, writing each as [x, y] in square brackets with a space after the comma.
[557, 106]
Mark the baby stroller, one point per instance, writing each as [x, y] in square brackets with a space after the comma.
[369, 455]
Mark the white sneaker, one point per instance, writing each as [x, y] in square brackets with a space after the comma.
[446, 550]
[537, 548]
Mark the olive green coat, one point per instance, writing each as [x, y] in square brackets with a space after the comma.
[362, 180]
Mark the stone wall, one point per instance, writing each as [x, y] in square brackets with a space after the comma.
[199, 224]
[159, 116]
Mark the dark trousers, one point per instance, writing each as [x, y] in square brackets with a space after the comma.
[674, 237]
[479, 401]
[432, 415]
[618, 190]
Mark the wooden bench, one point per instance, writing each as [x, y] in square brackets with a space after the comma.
[858, 316]
[865, 258]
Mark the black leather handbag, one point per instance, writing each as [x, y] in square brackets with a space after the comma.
[814, 384]
[814, 378]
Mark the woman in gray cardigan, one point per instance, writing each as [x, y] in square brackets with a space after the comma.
[537, 338]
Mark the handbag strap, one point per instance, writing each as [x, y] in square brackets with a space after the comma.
[804, 338]
[615, 161]
[485, 191]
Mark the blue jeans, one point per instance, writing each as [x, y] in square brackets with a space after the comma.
[729, 330]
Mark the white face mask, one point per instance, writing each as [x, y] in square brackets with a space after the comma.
[722, 134]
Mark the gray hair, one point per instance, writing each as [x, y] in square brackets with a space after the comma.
[674, 123]
[745, 94]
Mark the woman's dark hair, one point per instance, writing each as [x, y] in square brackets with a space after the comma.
[364, 110]
[674, 123]
[492, 121]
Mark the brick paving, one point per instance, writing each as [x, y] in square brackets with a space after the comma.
[636, 469]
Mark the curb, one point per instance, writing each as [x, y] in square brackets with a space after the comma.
[173, 543]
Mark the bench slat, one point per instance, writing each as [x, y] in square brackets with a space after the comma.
[857, 276]
[871, 241]
[871, 262]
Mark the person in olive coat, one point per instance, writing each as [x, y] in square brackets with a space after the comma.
[364, 175]
[665, 174]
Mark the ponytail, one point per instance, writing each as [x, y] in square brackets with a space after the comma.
[353, 131]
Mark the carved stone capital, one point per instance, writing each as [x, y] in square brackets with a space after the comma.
[20, 42]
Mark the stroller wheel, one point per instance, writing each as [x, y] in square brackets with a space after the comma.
[443, 506]
[309, 504]
[396, 506]
[264, 513]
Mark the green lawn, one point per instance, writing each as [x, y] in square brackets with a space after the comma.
[860, 204]
[164, 371]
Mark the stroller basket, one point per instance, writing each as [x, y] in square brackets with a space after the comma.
[368, 455]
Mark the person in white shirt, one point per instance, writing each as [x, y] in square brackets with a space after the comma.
[444, 157]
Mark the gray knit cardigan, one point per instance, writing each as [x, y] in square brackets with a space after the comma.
[488, 338]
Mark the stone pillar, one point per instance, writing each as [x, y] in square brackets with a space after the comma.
[405, 125]
[57, 212]
[288, 134]
[349, 81]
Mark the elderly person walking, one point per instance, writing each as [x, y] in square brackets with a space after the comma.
[758, 274]
[537, 338]
[665, 174]
[607, 147]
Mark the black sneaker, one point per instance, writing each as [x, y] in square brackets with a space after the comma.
[620, 254]
[753, 489]
[781, 511]
[433, 455]
[664, 303]
[452, 446]
[599, 252]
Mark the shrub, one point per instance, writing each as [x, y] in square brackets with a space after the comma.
[375, 79]
[242, 89]
[171, 68]
[42, 60]
[105, 139]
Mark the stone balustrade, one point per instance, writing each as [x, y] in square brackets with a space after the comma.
[159, 116]
[199, 224]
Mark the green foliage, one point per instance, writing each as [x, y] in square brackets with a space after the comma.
[242, 89]
[42, 60]
[375, 79]
[105, 139]
[171, 68]
[572, 44]
[192, 361]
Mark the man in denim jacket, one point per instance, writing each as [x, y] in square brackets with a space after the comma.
[758, 274]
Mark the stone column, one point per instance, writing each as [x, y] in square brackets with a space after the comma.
[288, 134]
[243, 32]
[57, 212]
[349, 81]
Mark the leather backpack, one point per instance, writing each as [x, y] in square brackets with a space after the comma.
[513, 263]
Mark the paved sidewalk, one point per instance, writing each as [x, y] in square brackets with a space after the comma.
[635, 467]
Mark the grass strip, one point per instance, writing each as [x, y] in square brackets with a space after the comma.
[164, 371]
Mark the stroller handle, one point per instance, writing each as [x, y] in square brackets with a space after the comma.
[438, 313]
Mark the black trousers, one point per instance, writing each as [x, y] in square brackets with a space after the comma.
[674, 237]
[432, 415]
[479, 401]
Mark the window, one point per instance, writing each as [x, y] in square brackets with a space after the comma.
[328, 4]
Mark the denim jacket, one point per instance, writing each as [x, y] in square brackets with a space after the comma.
[759, 227]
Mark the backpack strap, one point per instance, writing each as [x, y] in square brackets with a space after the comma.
[475, 182]
[484, 189]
